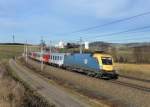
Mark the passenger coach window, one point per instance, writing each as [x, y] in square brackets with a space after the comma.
[107, 60]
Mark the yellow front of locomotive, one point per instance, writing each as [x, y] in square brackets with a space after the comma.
[106, 65]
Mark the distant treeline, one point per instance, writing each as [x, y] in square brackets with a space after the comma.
[13, 44]
[125, 53]
[139, 54]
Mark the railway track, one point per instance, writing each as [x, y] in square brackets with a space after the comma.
[123, 92]
[135, 78]
[132, 82]
[135, 86]
[120, 82]
[136, 83]
[142, 85]
[127, 84]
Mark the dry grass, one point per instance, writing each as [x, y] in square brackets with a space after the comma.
[9, 51]
[17, 94]
[95, 88]
[11, 92]
[140, 70]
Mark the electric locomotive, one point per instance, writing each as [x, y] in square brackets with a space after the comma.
[94, 64]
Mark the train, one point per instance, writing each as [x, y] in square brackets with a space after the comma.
[94, 64]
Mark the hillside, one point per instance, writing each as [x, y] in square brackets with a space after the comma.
[127, 53]
[107, 44]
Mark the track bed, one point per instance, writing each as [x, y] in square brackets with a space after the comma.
[117, 93]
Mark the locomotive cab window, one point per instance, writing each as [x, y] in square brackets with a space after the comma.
[107, 61]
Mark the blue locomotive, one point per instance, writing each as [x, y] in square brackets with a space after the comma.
[96, 64]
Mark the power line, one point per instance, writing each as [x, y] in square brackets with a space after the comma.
[121, 32]
[112, 36]
[135, 37]
[129, 31]
[106, 24]
[130, 39]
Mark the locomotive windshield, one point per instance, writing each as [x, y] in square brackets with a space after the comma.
[107, 60]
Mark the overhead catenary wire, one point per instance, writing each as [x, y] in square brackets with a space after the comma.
[106, 24]
[127, 38]
[109, 23]
[113, 22]
[143, 31]
[128, 31]
[123, 36]
[136, 39]
[120, 32]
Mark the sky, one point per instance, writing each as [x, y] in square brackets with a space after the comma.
[55, 20]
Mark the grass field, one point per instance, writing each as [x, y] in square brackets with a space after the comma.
[137, 70]
[9, 51]
[12, 92]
